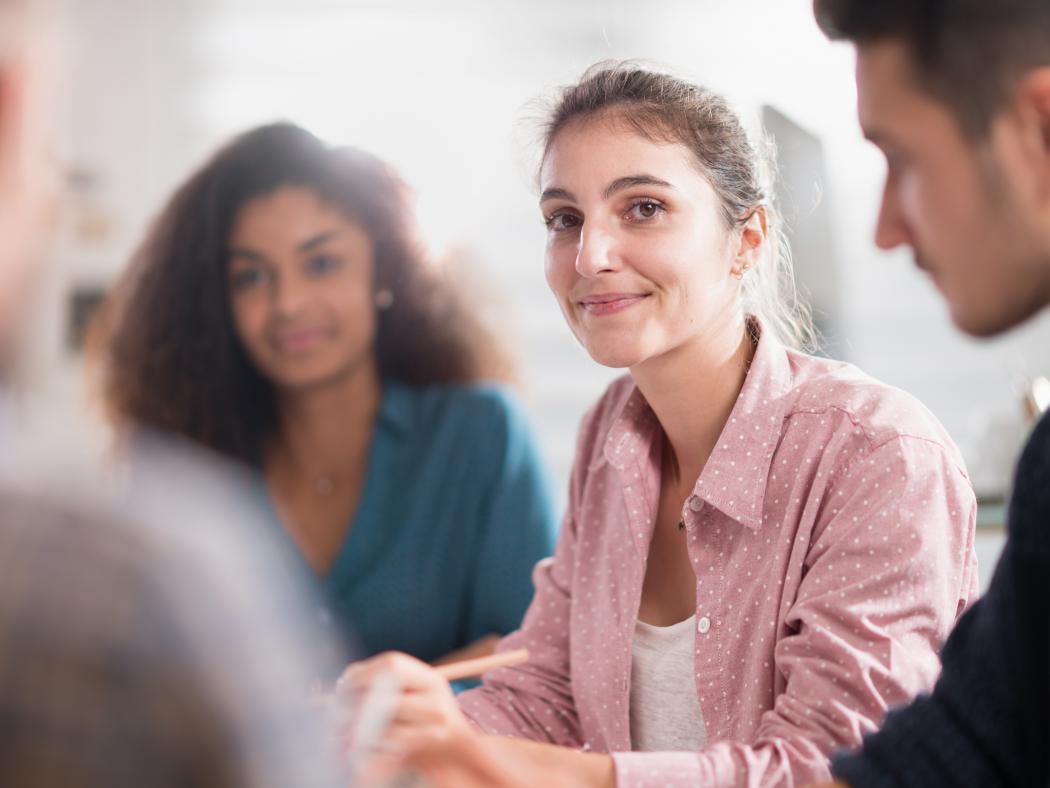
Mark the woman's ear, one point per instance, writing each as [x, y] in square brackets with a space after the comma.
[750, 243]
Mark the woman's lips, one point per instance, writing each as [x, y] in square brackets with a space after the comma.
[298, 341]
[610, 303]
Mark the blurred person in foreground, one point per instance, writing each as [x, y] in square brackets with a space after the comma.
[139, 643]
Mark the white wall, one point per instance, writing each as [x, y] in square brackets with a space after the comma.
[440, 88]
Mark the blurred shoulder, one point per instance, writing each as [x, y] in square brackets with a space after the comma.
[476, 407]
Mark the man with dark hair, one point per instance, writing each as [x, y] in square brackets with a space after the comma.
[957, 97]
[968, 54]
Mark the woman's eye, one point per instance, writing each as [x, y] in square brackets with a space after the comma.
[245, 278]
[322, 264]
[644, 210]
[560, 222]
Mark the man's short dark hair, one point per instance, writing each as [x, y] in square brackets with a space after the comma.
[967, 53]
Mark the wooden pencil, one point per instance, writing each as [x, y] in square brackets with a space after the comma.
[471, 668]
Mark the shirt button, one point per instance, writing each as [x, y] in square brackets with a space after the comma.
[703, 625]
[695, 503]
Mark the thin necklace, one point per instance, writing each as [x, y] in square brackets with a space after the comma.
[323, 484]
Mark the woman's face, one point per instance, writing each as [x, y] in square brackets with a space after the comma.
[301, 289]
[638, 254]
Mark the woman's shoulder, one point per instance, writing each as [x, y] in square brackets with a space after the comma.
[600, 419]
[475, 412]
[474, 400]
[881, 411]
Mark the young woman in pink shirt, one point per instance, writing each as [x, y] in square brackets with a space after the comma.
[763, 550]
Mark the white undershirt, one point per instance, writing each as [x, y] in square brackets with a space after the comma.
[665, 712]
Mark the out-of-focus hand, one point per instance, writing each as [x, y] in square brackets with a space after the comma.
[425, 706]
[466, 759]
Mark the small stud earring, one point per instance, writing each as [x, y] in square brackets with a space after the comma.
[384, 299]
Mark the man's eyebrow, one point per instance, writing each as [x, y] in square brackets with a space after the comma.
[873, 135]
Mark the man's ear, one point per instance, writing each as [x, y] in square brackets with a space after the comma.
[1033, 114]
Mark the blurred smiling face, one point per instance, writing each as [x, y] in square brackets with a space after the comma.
[637, 249]
[301, 289]
[972, 212]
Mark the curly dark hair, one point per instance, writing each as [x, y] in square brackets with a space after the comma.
[164, 349]
[966, 53]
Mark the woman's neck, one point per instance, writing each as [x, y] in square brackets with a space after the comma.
[325, 428]
[693, 389]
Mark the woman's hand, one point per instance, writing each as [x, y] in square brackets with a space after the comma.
[425, 707]
[428, 733]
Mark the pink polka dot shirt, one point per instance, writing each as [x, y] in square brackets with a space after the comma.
[831, 533]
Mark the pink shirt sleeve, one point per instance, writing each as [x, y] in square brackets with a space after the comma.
[534, 700]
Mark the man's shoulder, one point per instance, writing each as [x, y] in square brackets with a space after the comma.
[1029, 517]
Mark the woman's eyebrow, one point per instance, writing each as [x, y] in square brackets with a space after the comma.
[634, 180]
[626, 182]
[252, 256]
[317, 240]
[557, 194]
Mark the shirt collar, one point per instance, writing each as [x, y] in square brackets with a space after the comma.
[397, 408]
[633, 430]
[734, 478]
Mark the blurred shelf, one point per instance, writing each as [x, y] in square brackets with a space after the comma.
[991, 514]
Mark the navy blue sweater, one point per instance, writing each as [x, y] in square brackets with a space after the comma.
[986, 721]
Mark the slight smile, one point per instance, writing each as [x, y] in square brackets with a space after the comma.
[298, 341]
[610, 303]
